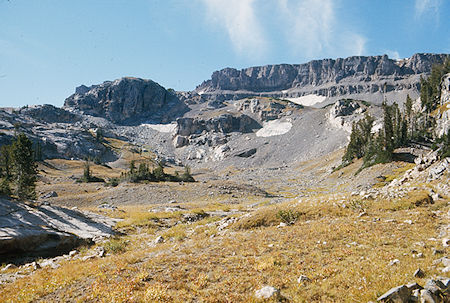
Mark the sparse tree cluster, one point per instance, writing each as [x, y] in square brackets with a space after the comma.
[18, 170]
[430, 91]
[377, 147]
[399, 127]
[157, 174]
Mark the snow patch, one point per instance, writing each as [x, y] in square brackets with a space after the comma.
[162, 128]
[274, 128]
[307, 100]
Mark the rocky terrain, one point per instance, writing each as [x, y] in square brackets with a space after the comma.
[269, 218]
[126, 100]
[366, 78]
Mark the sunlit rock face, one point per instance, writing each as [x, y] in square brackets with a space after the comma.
[332, 78]
[126, 100]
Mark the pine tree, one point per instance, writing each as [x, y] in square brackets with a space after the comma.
[87, 171]
[38, 151]
[159, 173]
[409, 116]
[388, 132]
[186, 176]
[99, 135]
[5, 170]
[5, 162]
[24, 167]
[132, 167]
[360, 138]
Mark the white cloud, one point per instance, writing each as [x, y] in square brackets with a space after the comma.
[425, 6]
[239, 19]
[313, 30]
[355, 44]
[311, 24]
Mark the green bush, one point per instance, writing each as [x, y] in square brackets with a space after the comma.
[115, 246]
[288, 216]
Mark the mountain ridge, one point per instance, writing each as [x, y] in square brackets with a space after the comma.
[331, 78]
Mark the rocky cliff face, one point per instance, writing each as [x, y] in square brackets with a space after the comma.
[49, 114]
[126, 100]
[199, 131]
[443, 113]
[328, 77]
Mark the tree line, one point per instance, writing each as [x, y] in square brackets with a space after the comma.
[400, 127]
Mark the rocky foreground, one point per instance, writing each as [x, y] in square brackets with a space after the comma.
[46, 230]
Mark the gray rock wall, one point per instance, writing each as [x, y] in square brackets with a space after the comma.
[127, 100]
[328, 77]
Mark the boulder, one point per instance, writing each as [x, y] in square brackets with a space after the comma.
[268, 292]
[51, 194]
[419, 273]
[180, 141]
[400, 294]
[246, 153]
[303, 279]
[158, 240]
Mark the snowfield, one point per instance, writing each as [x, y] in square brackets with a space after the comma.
[308, 100]
[274, 128]
[162, 128]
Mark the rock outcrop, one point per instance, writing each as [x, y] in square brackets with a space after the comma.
[127, 100]
[344, 112]
[266, 109]
[328, 77]
[49, 114]
[443, 112]
[223, 123]
[47, 230]
[211, 131]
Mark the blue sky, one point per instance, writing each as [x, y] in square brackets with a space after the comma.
[48, 47]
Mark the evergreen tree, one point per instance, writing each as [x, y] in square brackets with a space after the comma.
[87, 171]
[38, 151]
[5, 189]
[430, 89]
[5, 162]
[5, 170]
[186, 176]
[99, 135]
[360, 138]
[159, 173]
[388, 131]
[409, 116]
[24, 167]
[132, 167]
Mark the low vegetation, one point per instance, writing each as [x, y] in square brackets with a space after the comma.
[144, 173]
[346, 256]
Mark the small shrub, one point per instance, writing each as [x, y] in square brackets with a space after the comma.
[115, 246]
[288, 216]
[113, 182]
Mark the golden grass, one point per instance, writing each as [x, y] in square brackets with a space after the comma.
[398, 172]
[345, 256]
